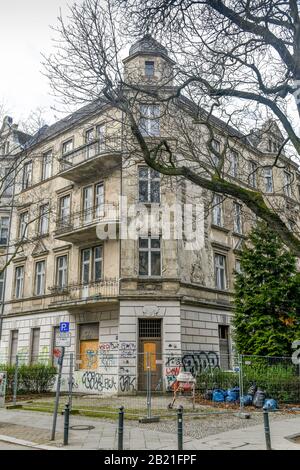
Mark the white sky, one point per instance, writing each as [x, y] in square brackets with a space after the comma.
[24, 34]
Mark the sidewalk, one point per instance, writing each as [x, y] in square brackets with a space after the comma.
[33, 428]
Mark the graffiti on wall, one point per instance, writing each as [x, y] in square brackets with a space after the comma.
[128, 349]
[98, 382]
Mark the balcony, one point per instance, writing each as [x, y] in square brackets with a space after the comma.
[78, 294]
[82, 226]
[92, 160]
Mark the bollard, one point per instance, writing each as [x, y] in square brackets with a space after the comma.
[66, 424]
[121, 428]
[267, 430]
[180, 427]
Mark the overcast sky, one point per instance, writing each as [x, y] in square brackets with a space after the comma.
[25, 33]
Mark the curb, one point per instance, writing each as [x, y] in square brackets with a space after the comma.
[21, 442]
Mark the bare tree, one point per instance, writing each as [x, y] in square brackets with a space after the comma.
[235, 65]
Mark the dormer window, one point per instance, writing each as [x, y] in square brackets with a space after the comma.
[149, 68]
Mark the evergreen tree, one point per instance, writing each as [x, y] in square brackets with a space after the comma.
[267, 297]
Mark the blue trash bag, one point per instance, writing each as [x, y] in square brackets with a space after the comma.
[233, 394]
[246, 400]
[270, 404]
[218, 395]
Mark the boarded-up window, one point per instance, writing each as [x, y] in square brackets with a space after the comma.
[88, 345]
[13, 346]
[35, 345]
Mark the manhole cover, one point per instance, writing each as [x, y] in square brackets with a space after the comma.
[81, 427]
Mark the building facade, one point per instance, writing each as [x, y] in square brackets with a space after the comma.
[129, 297]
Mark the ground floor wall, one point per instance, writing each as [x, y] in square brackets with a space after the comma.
[115, 349]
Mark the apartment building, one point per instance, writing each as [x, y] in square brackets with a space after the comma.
[126, 296]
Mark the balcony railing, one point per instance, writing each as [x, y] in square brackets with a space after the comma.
[86, 219]
[80, 293]
[106, 146]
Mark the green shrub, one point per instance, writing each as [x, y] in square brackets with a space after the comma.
[36, 378]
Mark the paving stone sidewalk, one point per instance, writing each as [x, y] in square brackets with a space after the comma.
[36, 427]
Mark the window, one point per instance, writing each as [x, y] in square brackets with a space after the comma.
[47, 165]
[35, 346]
[89, 139]
[91, 264]
[149, 256]
[19, 282]
[233, 158]
[13, 346]
[89, 136]
[40, 278]
[88, 204]
[23, 225]
[64, 210]
[44, 219]
[67, 146]
[8, 182]
[149, 121]
[4, 228]
[237, 222]
[27, 175]
[99, 200]
[149, 68]
[1, 286]
[268, 179]
[252, 174]
[217, 212]
[217, 147]
[62, 271]
[238, 268]
[220, 271]
[100, 134]
[287, 184]
[149, 185]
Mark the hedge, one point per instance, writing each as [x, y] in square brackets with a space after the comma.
[35, 378]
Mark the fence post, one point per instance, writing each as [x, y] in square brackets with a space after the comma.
[121, 428]
[61, 360]
[16, 381]
[241, 381]
[66, 424]
[70, 381]
[180, 427]
[148, 385]
[267, 430]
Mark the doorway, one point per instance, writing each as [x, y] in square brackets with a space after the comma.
[149, 353]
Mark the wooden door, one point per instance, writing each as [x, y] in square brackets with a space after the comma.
[149, 354]
[89, 354]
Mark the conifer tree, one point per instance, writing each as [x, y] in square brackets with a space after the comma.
[267, 297]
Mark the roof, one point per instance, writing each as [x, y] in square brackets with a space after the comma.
[148, 45]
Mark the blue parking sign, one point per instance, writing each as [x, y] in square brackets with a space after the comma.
[64, 327]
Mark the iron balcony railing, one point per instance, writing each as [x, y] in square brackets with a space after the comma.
[107, 145]
[92, 291]
[91, 216]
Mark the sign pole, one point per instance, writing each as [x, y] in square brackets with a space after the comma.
[61, 359]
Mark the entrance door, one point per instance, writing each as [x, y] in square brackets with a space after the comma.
[224, 347]
[150, 356]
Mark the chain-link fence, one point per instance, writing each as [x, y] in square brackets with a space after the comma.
[149, 385]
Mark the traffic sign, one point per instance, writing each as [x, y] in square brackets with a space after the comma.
[64, 327]
[63, 339]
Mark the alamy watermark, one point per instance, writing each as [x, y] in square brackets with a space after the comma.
[169, 222]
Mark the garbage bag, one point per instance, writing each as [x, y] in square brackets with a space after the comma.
[233, 394]
[270, 404]
[218, 395]
[259, 398]
[246, 400]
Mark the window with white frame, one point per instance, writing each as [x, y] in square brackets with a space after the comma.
[149, 185]
[100, 135]
[44, 219]
[23, 225]
[252, 174]
[149, 256]
[238, 268]
[19, 282]
[220, 271]
[217, 210]
[4, 229]
[47, 165]
[233, 161]
[1, 286]
[89, 139]
[40, 273]
[64, 210]
[62, 271]
[27, 175]
[99, 200]
[91, 264]
[149, 120]
[67, 146]
[88, 200]
[237, 221]
[287, 183]
[268, 176]
[149, 68]
[217, 147]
